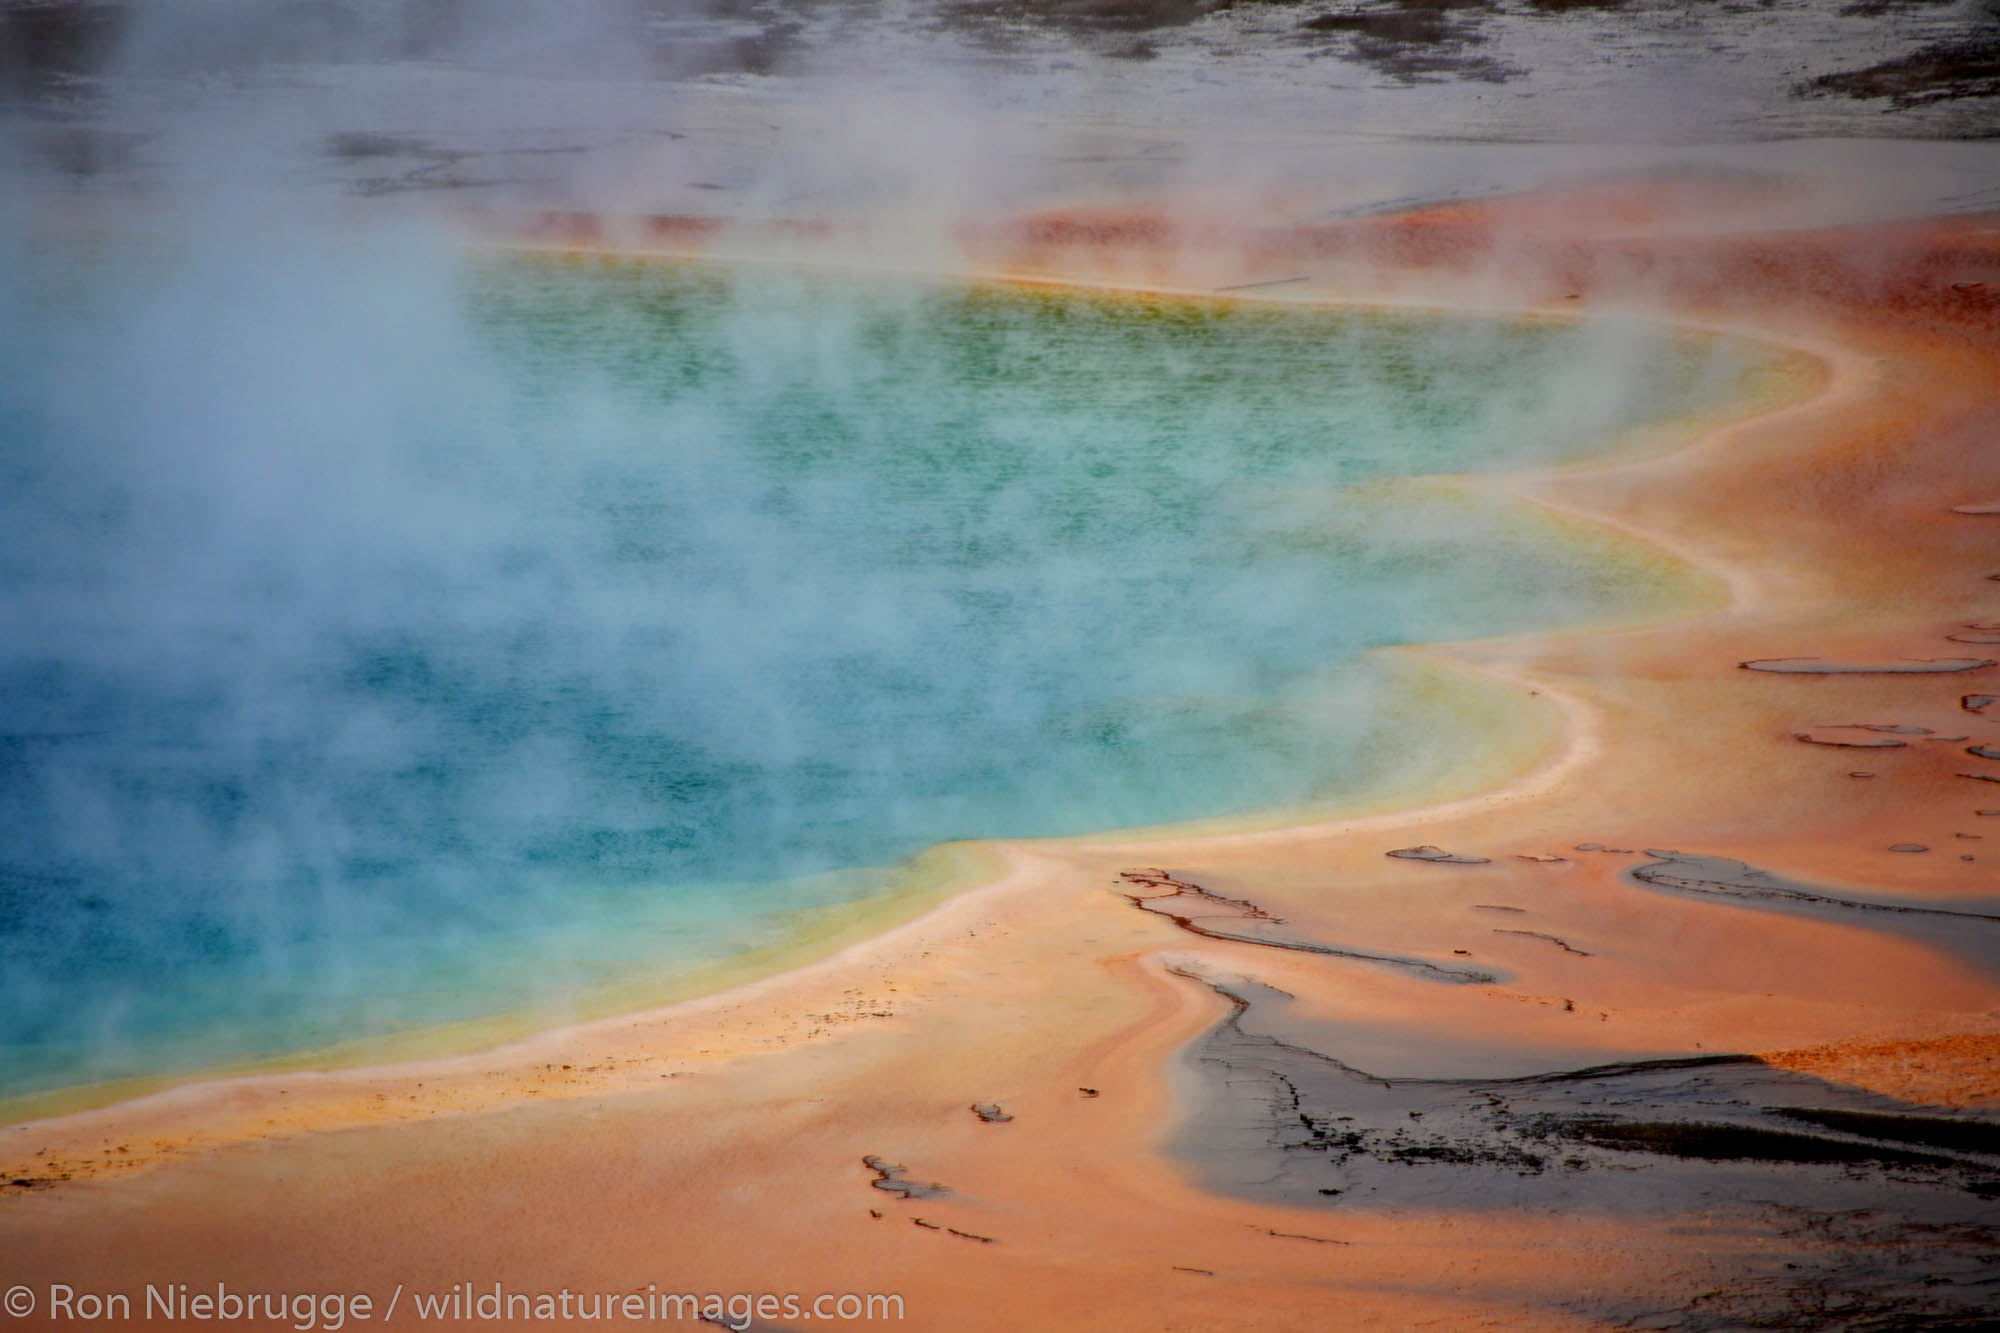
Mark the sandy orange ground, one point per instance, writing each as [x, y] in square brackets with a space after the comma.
[716, 1146]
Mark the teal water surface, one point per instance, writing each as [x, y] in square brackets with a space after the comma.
[391, 643]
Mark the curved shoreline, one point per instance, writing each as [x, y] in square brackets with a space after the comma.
[1048, 994]
[913, 887]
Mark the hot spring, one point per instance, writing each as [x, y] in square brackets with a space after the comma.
[393, 640]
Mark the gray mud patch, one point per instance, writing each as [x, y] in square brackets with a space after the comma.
[1437, 855]
[1868, 1204]
[1940, 72]
[1848, 741]
[1969, 933]
[1414, 41]
[1692, 872]
[1909, 666]
[894, 1178]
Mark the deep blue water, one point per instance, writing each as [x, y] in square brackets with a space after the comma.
[386, 640]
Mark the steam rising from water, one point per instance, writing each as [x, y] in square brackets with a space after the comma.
[400, 638]
[388, 637]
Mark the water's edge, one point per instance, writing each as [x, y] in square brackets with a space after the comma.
[1508, 732]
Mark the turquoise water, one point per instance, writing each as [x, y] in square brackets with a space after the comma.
[391, 641]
